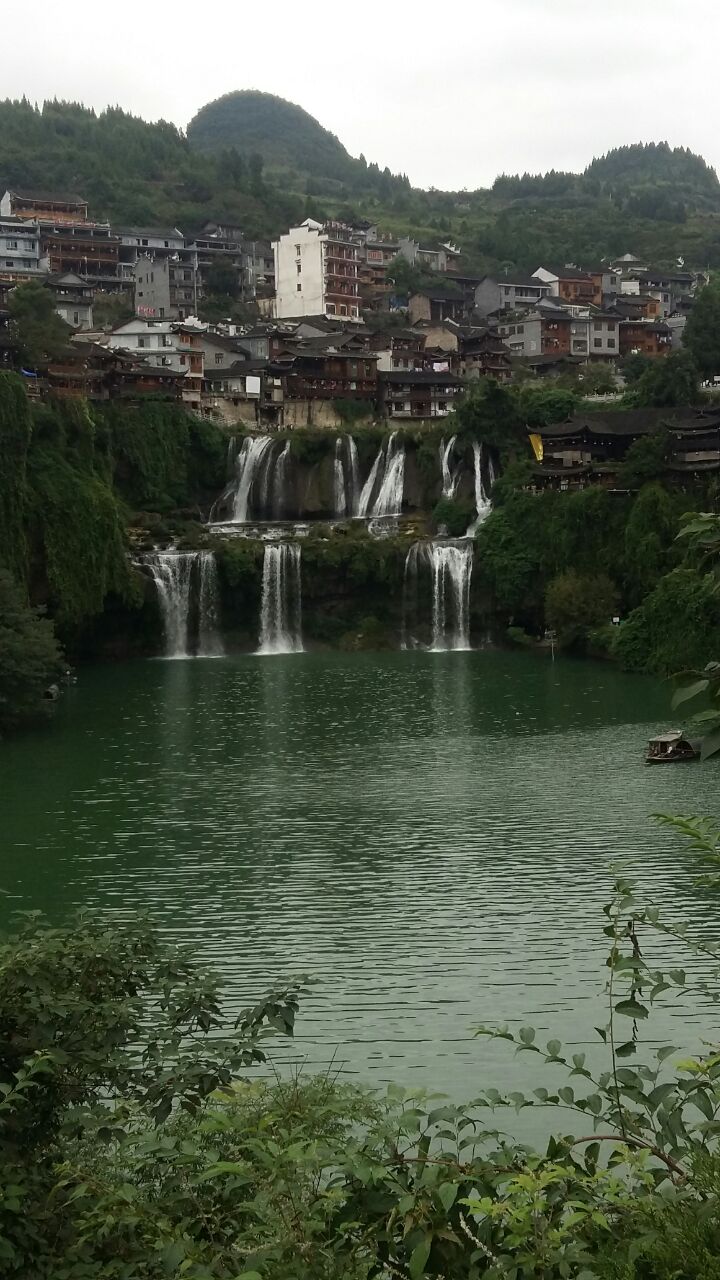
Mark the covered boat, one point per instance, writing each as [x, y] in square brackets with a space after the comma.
[668, 748]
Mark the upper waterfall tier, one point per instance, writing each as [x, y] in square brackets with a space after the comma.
[304, 475]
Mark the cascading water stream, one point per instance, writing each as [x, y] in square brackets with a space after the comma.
[172, 573]
[389, 469]
[482, 501]
[255, 451]
[389, 499]
[278, 483]
[281, 603]
[449, 566]
[352, 483]
[209, 641]
[340, 503]
[369, 485]
[449, 481]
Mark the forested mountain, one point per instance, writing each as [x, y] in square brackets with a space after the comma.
[263, 163]
[133, 172]
[290, 141]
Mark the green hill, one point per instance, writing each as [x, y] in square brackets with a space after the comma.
[292, 143]
[285, 135]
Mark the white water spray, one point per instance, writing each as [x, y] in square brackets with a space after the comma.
[450, 572]
[209, 640]
[255, 450]
[172, 574]
[482, 501]
[449, 481]
[281, 603]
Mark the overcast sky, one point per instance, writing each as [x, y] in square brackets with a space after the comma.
[452, 94]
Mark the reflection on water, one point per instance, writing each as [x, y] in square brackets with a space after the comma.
[430, 836]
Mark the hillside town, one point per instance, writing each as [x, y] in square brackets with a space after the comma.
[331, 336]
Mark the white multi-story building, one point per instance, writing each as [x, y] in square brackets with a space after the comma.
[316, 272]
[20, 252]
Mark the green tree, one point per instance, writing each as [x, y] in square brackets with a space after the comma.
[701, 337]
[646, 459]
[455, 514]
[539, 405]
[576, 603]
[36, 326]
[30, 657]
[675, 628]
[668, 383]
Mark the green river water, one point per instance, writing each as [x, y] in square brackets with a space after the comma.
[428, 836]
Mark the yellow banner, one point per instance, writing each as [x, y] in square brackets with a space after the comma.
[537, 444]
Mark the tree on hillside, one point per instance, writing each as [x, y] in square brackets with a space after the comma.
[408, 278]
[37, 328]
[701, 337]
[646, 459]
[575, 603]
[669, 383]
[30, 657]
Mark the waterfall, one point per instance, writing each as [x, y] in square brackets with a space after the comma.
[450, 565]
[410, 591]
[482, 501]
[390, 464]
[278, 482]
[209, 641]
[369, 485]
[339, 495]
[389, 499]
[281, 604]
[353, 488]
[449, 481]
[451, 572]
[248, 466]
[346, 485]
[172, 573]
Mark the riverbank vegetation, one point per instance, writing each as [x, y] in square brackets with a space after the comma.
[137, 1138]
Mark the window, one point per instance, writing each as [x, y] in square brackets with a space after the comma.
[299, 267]
[521, 328]
[166, 243]
[297, 250]
[611, 342]
[11, 244]
[299, 286]
[76, 317]
[597, 342]
[143, 241]
[162, 313]
[611, 326]
[442, 405]
[597, 324]
[142, 342]
[343, 309]
[218, 357]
